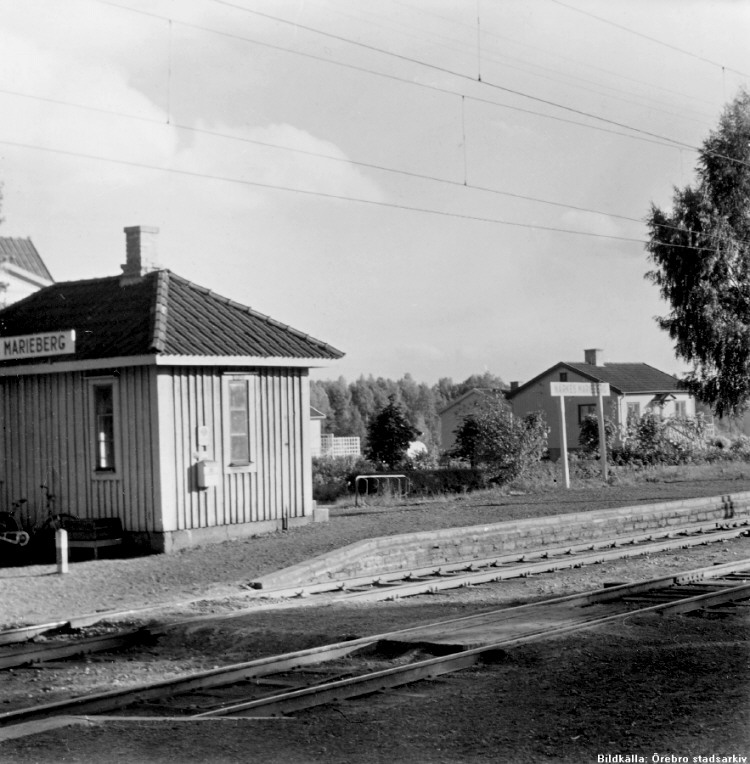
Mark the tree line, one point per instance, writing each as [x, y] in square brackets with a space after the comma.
[350, 407]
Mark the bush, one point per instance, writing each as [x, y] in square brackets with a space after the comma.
[332, 475]
[504, 445]
[455, 480]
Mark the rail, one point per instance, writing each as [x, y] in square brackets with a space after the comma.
[500, 629]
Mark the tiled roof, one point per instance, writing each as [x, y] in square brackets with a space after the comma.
[22, 253]
[158, 313]
[622, 377]
[630, 377]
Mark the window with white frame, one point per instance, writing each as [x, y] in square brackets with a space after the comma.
[239, 422]
[104, 425]
[680, 409]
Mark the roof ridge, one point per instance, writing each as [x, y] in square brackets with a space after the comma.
[159, 309]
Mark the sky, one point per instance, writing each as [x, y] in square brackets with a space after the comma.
[434, 187]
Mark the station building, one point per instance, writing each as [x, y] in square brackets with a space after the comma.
[151, 399]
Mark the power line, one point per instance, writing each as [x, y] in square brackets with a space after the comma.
[445, 70]
[536, 49]
[671, 141]
[320, 155]
[337, 197]
[637, 133]
[650, 39]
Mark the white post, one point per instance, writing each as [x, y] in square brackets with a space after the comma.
[564, 442]
[602, 435]
[61, 547]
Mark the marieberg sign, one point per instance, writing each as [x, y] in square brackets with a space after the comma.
[38, 345]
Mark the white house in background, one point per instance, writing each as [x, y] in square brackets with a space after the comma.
[22, 270]
[635, 389]
[316, 423]
[330, 445]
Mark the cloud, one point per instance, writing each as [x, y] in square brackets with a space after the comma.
[600, 225]
[251, 160]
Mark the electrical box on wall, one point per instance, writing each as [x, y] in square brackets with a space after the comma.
[208, 473]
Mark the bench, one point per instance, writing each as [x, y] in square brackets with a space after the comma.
[94, 533]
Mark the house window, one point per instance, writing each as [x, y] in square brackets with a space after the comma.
[680, 409]
[584, 410]
[239, 396]
[563, 376]
[104, 425]
[239, 424]
[634, 411]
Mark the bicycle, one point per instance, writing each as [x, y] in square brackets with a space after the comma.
[11, 531]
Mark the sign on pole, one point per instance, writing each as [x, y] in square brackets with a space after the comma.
[596, 390]
[579, 389]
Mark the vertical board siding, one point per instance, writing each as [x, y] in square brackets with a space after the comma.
[46, 446]
[46, 440]
[276, 488]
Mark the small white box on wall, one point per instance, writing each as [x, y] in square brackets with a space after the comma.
[208, 473]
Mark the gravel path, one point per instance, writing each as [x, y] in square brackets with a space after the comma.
[37, 594]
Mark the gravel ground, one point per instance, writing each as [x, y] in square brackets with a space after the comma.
[672, 687]
[37, 594]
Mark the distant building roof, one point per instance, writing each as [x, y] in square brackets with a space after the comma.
[22, 254]
[623, 378]
[495, 391]
[158, 313]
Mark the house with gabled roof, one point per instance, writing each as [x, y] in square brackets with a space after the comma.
[635, 389]
[22, 270]
[151, 399]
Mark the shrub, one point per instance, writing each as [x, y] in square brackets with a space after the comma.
[331, 475]
[455, 480]
[504, 445]
[589, 436]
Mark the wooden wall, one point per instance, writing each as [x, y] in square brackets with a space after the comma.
[45, 446]
[280, 485]
[45, 441]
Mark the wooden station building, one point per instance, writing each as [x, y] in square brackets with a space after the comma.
[148, 398]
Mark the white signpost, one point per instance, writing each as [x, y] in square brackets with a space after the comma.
[596, 390]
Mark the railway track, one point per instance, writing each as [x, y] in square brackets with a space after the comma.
[58, 643]
[287, 683]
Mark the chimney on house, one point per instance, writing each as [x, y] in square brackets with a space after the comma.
[514, 385]
[594, 356]
[140, 249]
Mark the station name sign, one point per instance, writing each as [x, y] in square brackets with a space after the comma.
[37, 345]
[579, 389]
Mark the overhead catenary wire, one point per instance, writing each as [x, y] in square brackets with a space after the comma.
[603, 20]
[354, 162]
[552, 74]
[460, 75]
[636, 134]
[537, 49]
[346, 160]
[341, 197]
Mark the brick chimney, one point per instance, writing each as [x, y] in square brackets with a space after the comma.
[594, 356]
[140, 248]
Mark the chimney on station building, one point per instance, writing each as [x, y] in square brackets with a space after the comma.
[594, 356]
[140, 249]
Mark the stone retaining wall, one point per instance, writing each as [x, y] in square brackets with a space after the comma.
[417, 550]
